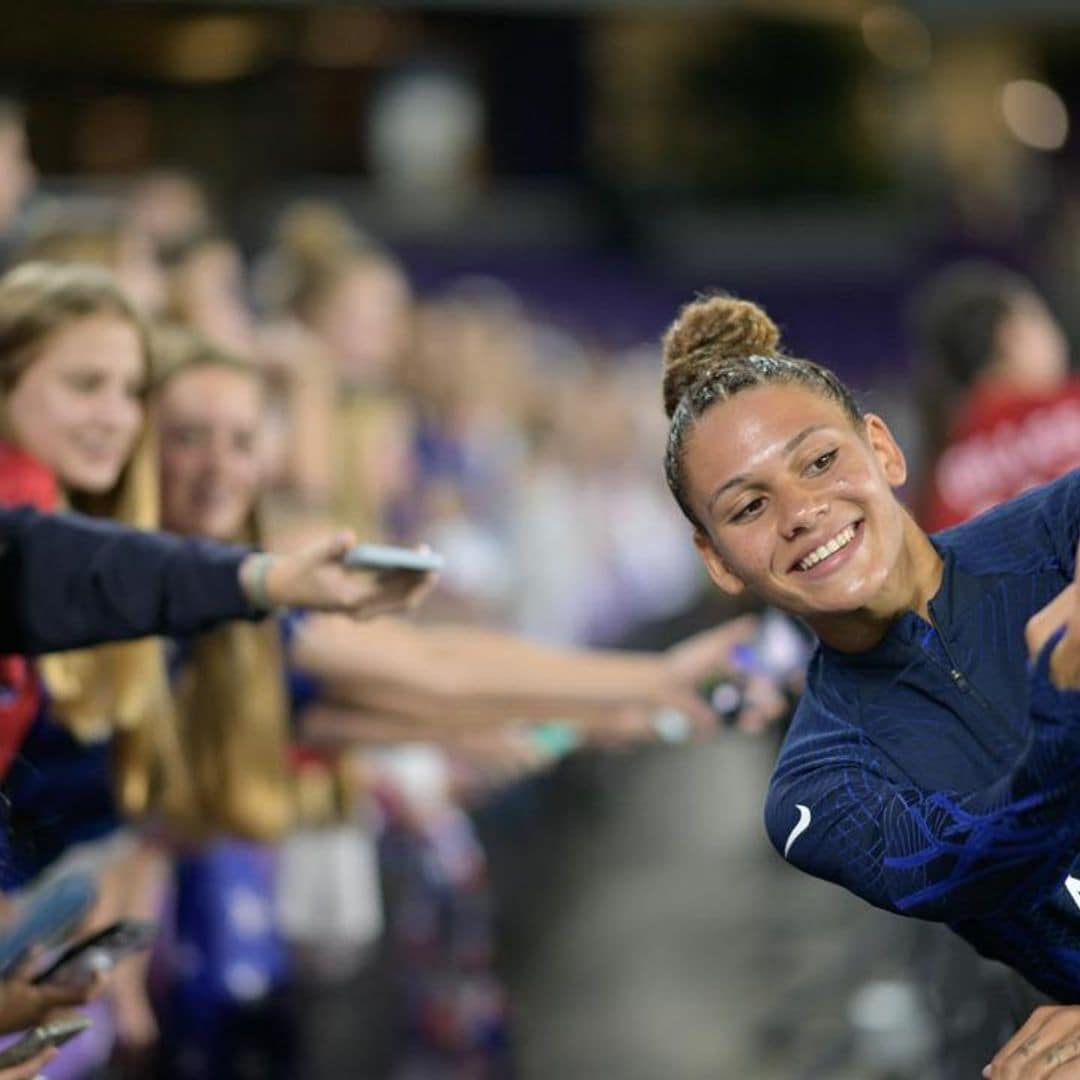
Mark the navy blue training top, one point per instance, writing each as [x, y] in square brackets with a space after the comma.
[67, 581]
[938, 774]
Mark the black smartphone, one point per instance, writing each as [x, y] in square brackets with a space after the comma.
[83, 959]
[54, 1033]
[780, 651]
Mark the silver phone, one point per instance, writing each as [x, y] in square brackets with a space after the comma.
[53, 1033]
[388, 557]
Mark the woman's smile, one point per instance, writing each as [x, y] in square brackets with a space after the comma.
[832, 554]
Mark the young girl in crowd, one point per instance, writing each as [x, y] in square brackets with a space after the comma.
[930, 767]
[93, 739]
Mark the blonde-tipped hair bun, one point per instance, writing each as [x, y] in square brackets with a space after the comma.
[709, 333]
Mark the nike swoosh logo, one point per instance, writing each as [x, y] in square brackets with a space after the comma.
[800, 827]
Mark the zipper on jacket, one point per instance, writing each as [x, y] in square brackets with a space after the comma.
[964, 684]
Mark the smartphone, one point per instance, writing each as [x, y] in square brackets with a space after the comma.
[386, 557]
[46, 917]
[780, 649]
[83, 959]
[54, 1033]
[780, 652]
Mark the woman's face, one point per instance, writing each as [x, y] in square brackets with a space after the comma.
[797, 505]
[78, 406]
[210, 459]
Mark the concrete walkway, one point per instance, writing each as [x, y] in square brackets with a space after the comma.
[666, 940]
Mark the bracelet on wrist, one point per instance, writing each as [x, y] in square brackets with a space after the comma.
[260, 566]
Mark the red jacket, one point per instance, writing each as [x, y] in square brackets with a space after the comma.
[24, 481]
[1000, 445]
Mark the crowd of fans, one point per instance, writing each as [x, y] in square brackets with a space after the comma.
[286, 798]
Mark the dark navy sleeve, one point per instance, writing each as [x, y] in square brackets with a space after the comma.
[1061, 514]
[67, 581]
[1038, 528]
[838, 809]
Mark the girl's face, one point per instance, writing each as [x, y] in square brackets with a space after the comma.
[797, 504]
[78, 406]
[210, 456]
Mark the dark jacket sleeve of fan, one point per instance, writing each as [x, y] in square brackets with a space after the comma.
[67, 581]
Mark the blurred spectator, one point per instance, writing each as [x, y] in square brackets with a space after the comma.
[168, 205]
[207, 290]
[59, 234]
[17, 175]
[1001, 412]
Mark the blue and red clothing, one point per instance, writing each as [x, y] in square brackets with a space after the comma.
[935, 775]
[23, 482]
[65, 582]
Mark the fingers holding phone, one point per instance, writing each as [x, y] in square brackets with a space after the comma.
[29, 1070]
[403, 576]
[27, 1054]
[323, 577]
[24, 1003]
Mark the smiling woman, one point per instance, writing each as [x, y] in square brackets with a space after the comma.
[73, 373]
[793, 486]
[80, 405]
[929, 768]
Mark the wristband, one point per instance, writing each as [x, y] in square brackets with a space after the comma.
[256, 580]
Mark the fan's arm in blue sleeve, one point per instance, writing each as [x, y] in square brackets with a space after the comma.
[67, 581]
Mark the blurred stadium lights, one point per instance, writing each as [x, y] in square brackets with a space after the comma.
[896, 37]
[426, 135]
[932, 11]
[351, 37]
[960, 11]
[210, 48]
[1035, 114]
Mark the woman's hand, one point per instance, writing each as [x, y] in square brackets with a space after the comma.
[315, 578]
[704, 656]
[1047, 1046]
[29, 1070]
[698, 659]
[23, 1005]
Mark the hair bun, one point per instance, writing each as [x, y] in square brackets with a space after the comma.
[709, 333]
